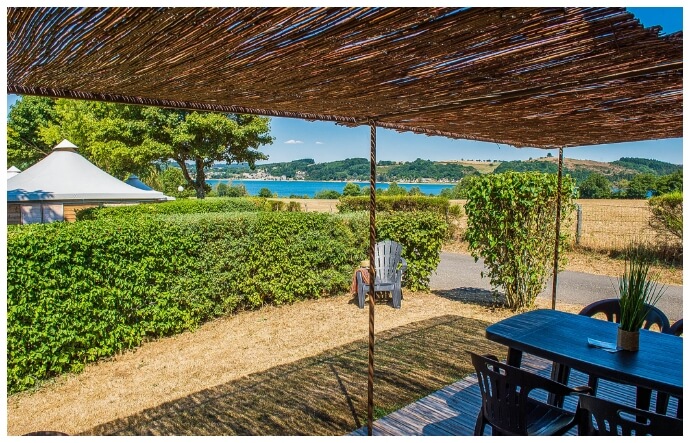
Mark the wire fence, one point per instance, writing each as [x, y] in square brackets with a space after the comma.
[606, 225]
[612, 225]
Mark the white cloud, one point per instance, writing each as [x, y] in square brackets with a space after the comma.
[319, 143]
[294, 142]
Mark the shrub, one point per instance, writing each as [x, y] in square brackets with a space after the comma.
[206, 205]
[421, 237]
[77, 292]
[81, 291]
[511, 220]
[440, 205]
[667, 214]
[327, 195]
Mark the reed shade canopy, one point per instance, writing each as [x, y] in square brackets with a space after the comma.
[538, 77]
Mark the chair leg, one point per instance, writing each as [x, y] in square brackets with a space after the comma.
[479, 426]
[397, 295]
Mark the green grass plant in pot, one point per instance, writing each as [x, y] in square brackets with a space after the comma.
[638, 294]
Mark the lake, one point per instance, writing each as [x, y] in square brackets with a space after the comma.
[310, 188]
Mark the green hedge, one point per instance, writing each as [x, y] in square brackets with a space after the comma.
[207, 205]
[81, 291]
[405, 203]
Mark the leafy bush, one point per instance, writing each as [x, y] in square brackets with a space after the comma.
[511, 220]
[421, 237]
[77, 292]
[667, 214]
[408, 203]
[206, 205]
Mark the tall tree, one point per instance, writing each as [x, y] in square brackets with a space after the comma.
[595, 186]
[27, 116]
[125, 139]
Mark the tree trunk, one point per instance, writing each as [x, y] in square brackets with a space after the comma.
[200, 182]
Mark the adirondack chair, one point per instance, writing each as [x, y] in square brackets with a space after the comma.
[390, 267]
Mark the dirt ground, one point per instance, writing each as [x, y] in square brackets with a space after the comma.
[220, 351]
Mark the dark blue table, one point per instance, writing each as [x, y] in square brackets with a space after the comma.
[562, 338]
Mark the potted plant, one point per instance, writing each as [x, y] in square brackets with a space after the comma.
[638, 293]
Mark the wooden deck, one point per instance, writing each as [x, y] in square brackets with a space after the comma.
[453, 409]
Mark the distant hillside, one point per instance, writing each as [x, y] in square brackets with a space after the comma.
[357, 169]
[647, 166]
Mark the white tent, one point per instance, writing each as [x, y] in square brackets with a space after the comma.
[64, 180]
[11, 172]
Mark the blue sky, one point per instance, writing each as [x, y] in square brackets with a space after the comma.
[322, 141]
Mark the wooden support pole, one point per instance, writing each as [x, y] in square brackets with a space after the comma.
[558, 228]
[372, 277]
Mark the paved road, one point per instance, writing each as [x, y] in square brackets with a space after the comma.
[460, 271]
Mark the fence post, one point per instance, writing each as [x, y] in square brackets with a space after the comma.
[578, 233]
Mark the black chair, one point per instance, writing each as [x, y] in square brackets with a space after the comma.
[506, 404]
[662, 397]
[611, 309]
[597, 416]
[677, 328]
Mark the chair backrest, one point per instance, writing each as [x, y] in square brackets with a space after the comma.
[602, 417]
[611, 308]
[505, 390]
[676, 328]
[388, 256]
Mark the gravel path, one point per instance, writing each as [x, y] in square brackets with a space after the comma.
[460, 271]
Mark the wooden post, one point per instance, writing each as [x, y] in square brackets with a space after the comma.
[372, 277]
[578, 232]
[558, 228]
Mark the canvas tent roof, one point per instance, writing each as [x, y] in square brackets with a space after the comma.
[64, 175]
[12, 171]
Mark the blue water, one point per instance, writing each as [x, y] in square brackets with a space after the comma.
[310, 188]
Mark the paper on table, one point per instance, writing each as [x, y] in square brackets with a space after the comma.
[609, 347]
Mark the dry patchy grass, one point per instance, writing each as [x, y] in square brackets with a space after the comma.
[296, 369]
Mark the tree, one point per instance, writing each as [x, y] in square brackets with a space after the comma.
[640, 185]
[595, 186]
[327, 194]
[395, 189]
[669, 183]
[170, 180]
[265, 192]
[351, 190]
[222, 189]
[511, 220]
[126, 138]
[667, 214]
[27, 116]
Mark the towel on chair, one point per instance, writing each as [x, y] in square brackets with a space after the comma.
[365, 279]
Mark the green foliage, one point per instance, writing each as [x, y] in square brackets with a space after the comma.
[421, 237]
[639, 186]
[170, 180]
[24, 143]
[459, 191]
[647, 166]
[669, 183]
[667, 214]
[408, 171]
[637, 292]
[78, 292]
[595, 186]
[351, 190]
[406, 203]
[394, 189]
[209, 205]
[327, 194]
[511, 224]
[265, 193]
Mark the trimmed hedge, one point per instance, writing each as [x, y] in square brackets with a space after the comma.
[81, 291]
[207, 205]
[404, 203]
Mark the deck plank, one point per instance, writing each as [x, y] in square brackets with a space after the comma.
[453, 409]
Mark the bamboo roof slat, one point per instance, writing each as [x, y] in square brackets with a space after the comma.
[539, 77]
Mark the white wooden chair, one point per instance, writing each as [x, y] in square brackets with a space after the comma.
[390, 266]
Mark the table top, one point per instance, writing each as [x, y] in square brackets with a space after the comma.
[562, 337]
